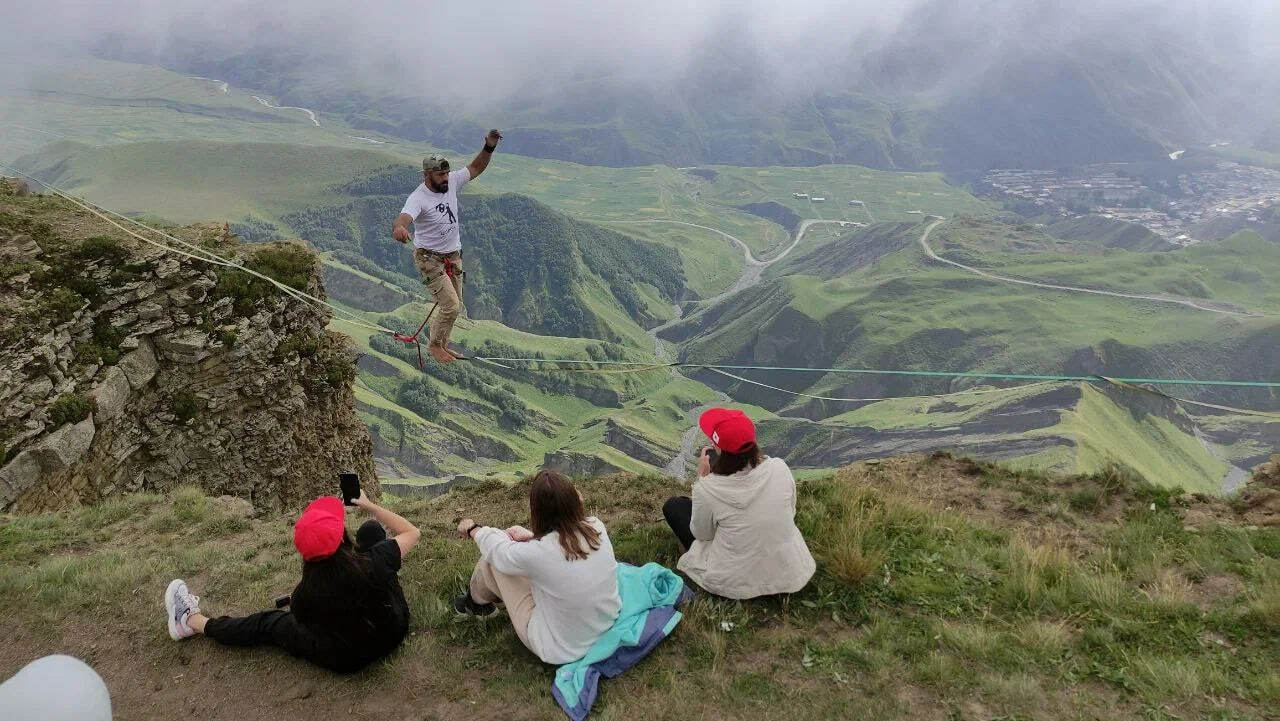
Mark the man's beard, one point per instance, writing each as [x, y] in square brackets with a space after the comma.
[441, 188]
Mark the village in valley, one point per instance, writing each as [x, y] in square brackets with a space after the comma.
[1174, 206]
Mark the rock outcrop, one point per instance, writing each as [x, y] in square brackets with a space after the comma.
[125, 367]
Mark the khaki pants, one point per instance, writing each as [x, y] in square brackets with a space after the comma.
[515, 592]
[447, 291]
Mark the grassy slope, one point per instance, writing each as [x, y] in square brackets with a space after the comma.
[1104, 433]
[1164, 455]
[654, 411]
[1236, 270]
[925, 605]
[108, 103]
[887, 315]
[195, 180]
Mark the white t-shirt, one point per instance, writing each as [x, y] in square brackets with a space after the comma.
[575, 602]
[435, 215]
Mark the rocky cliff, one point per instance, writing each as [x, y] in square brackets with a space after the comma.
[125, 367]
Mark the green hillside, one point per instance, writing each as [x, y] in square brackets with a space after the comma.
[590, 257]
[1068, 428]
[898, 311]
[480, 419]
[944, 589]
[1108, 232]
[281, 186]
[527, 265]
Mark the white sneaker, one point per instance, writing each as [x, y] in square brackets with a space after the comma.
[180, 603]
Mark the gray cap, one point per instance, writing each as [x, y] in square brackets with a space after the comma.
[434, 162]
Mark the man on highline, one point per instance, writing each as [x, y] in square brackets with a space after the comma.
[432, 208]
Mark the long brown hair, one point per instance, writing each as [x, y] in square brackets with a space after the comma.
[336, 589]
[728, 464]
[554, 505]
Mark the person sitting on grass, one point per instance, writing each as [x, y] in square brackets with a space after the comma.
[738, 531]
[347, 611]
[558, 581]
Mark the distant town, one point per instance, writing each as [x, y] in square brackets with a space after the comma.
[1174, 206]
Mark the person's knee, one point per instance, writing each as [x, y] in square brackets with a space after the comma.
[448, 310]
[675, 507]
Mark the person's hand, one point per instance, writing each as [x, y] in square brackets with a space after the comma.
[492, 138]
[361, 501]
[401, 234]
[704, 463]
[519, 534]
[463, 526]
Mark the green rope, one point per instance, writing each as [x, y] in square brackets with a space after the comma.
[932, 374]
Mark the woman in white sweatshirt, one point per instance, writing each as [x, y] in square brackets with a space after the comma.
[738, 530]
[558, 581]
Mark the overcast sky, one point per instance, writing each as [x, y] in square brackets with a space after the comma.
[485, 50]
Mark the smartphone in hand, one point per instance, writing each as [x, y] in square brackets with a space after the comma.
[350, 483]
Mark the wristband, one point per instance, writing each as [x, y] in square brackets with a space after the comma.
[488, 148]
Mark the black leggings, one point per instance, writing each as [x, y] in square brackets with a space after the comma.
[281, 628]
[678, 510]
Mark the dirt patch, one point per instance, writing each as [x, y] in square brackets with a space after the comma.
[1257, 504]
[1216, 589]
[919, 703]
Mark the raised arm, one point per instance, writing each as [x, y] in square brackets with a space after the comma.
[481, 160]
[404, 533]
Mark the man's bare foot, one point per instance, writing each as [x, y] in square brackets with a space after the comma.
[455, 353]
[442, 355]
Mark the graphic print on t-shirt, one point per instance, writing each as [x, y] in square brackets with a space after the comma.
[436, 222]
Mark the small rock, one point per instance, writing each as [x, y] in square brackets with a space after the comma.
[62, 448]
[21, 189]
[140, 365]
[17, 476]
[39, 388]
[112, 393]
[299, 691]
[150, 311]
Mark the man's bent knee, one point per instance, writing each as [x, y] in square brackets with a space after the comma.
[448, 312]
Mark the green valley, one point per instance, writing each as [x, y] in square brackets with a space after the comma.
[570, 261]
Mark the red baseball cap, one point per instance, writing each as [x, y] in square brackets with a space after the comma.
[318, 533]
[729, 430]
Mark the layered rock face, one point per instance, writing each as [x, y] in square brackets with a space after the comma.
[125, 367]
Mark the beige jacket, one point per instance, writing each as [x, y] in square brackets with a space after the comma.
[747, 541]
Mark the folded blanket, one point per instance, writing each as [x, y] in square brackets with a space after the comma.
[649, 596]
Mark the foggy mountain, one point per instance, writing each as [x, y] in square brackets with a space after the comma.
[931, 85]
